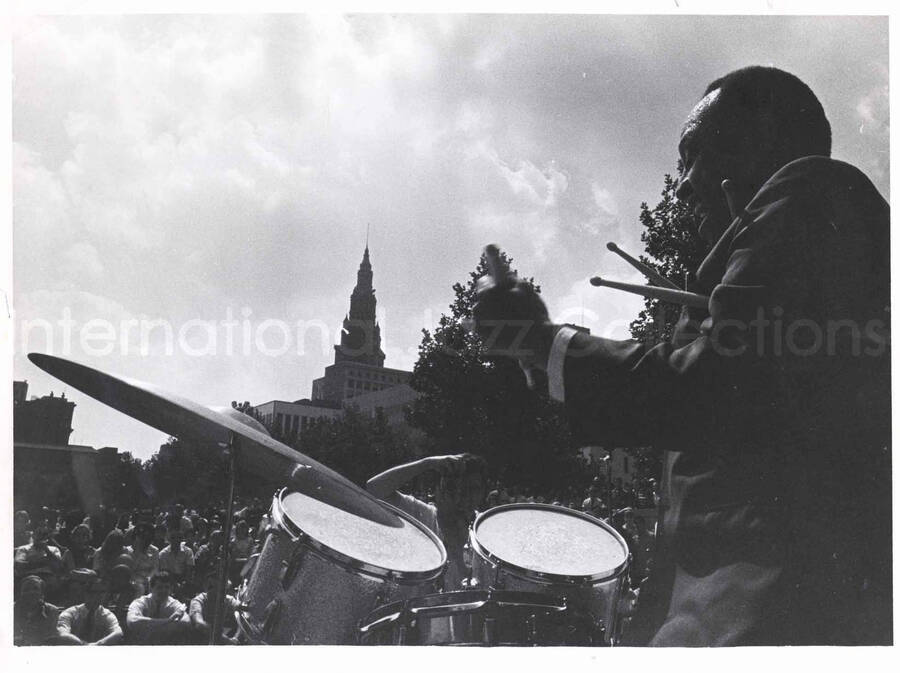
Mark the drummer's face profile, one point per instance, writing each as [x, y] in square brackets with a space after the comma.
[703, 170]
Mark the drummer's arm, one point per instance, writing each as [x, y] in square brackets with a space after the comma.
[384, 484]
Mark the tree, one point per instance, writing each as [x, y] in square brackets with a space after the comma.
[357, 445]
[674, 249]
[469, 403]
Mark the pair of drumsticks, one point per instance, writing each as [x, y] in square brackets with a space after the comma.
[659, 288]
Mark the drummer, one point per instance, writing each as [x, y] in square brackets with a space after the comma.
[460, 491]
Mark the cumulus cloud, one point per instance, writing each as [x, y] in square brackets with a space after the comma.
[81, 259]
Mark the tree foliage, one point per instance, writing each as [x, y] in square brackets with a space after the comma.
[674, 249]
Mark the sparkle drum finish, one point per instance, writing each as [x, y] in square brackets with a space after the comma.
[321, 569]
[554, 551]
[474, 618]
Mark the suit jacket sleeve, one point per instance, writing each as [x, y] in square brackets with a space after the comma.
[810, 245]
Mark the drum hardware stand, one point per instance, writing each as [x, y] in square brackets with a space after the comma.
[531, 626]
[231, 450]
[489, 630]
[406, 619]
[499, 581]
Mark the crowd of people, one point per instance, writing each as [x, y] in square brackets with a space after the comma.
[149, 576]
[137, 577]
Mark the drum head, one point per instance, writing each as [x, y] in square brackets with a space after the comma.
[410, 548]
[550, 541]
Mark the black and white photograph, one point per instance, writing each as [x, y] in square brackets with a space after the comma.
[520, 329]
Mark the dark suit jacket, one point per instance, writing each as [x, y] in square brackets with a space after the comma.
[773, 408]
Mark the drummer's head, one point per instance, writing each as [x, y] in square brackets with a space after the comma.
[461, 494]
[748, 124]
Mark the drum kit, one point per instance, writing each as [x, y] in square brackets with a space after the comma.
[339, 567]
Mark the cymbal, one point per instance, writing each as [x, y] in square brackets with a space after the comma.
[258, 451]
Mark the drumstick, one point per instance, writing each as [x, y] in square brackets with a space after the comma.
[653, 292]
[652, 276]
[501, 275]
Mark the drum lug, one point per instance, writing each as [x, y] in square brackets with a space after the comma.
[292, 567]
[384, 591]
[271, 615]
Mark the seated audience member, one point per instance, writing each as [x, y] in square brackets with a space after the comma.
[80, 553]
[242, 547]
[178, 560]
[157, 618]
[201, 532]
[110, 551]
[144, 555]
[202, 612]
[21, 528]
[123, 521]
[122, 591]
[77, 586]
[89, 623]
[160, 535]
[34, 620]
[208, 555]
[593, 504]
[242, 544]
[42, 559]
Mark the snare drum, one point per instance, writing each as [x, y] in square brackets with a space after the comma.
[473, 617]
[554, 551]
[321, 569]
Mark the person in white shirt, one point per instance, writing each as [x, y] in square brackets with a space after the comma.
[145, 556]
[202, 611]
[177, 558]
[89, 623]
[157, 618]
[460, 491]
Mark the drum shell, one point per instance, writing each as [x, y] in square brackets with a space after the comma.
[596, 600]
[297, 595]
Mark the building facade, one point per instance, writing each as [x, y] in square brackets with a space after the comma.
[47, 470]
[358, 378]
[290, 419]
[41, 420]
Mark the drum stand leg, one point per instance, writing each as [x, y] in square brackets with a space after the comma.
[216, 630]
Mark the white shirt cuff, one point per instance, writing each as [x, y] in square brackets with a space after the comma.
[556, 363]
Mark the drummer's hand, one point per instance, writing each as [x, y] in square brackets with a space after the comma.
[454, 465]
[447, 465]
[176, 616]
[512, 320]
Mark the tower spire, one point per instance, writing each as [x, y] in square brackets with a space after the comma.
[361, 335]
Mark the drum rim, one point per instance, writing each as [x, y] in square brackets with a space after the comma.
[537, 575]
[281, 519]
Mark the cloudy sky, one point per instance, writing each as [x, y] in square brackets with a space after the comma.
[195, 169]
